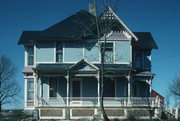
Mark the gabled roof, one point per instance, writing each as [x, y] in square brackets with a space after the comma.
[81, 65]
[115, 36]
[109, 13]
[80, 26]
[145, 40]
[71, 28]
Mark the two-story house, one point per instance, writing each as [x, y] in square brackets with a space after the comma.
[63, 64]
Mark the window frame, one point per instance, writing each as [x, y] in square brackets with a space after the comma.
[32, 91]
[30, 55]
[59, 51]
[56, 84]
[108, 47]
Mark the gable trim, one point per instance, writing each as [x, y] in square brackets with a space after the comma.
[121, 22]
[83, 61]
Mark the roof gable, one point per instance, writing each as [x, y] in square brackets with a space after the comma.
[83, 66]
[71, 28]
[110, 15]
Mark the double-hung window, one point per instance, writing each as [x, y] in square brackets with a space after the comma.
[108, 52]
[59, 51]
[30, 55]
[30, 89]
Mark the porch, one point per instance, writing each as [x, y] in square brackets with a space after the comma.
[88, 107]
[94, 102]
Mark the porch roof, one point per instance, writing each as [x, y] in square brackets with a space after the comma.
[52, 67]
[145, 73]
[66, 67]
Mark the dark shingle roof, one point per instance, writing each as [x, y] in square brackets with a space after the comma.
[65, 67]
[71, 28]
[77, 27]
[145, 40]
[52, 67]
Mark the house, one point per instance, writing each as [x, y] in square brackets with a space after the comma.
[156, 94]
[63, 64]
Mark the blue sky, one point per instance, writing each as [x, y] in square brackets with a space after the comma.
[160, 17]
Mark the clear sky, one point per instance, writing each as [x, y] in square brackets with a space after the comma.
[160, 17]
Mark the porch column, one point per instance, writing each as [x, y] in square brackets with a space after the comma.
[40, 80]
[35, 90]
[68, 94]
[98, 89]
[150, 86]
[129, 90]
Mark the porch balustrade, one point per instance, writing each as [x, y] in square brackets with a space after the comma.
[108, 102]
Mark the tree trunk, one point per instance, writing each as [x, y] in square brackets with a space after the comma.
[0, 109]
[102, 83]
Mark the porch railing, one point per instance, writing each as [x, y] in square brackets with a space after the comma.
[108, 101]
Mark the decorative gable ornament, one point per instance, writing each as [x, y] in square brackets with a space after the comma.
[109, 14]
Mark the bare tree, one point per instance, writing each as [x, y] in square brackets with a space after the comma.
[9, 88]
[174, 88]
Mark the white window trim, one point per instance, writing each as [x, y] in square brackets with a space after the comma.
[26, 92]
[56, 54]
[26, 56]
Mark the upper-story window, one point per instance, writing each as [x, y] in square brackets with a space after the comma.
[30, 55]
[59, 51]
[108, 50]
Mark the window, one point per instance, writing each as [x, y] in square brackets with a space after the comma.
[136, 90]
[138, 59]
[108, 54]
[30, 55]
[76, 89]
[59, 51]
[109, 88]
[53, 87]
[30, 89]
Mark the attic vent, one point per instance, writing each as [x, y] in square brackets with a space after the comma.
[115, 29]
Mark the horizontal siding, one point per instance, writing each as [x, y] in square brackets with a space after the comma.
[122, 51]
[45, 52]
[91, 52]
[73, 52]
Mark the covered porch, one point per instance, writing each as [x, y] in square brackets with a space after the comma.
[78, 85]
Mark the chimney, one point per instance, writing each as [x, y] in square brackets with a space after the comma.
[92, 8]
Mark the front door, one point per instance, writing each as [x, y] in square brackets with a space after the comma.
[109, 88]
[76, 88]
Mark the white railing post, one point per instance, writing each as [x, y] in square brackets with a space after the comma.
[129, 91]
[67, 98]
[156, 101]
[176, 113]
[98, 89]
